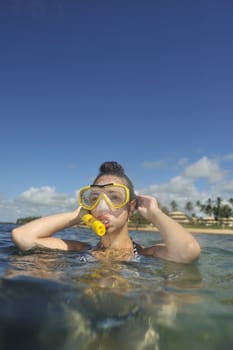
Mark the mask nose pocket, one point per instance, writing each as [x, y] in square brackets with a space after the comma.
[102, 206]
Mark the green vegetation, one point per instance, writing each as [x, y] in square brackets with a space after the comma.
[137, 220]
[22, 221]
[217, 208]
[210, 207]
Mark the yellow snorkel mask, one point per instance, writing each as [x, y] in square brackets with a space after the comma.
[115, 195]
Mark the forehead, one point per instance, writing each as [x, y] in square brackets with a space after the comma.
[107, 179]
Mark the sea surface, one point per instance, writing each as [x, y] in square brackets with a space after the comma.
[53, 300]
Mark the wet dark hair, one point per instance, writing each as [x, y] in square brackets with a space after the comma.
[115, 169]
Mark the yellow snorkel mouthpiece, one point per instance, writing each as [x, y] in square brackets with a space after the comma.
[97, 226]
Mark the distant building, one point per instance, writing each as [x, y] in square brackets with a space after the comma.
[227, 222]
[180, 217]
[209, 220]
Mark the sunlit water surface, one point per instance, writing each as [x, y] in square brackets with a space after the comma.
[57, 300]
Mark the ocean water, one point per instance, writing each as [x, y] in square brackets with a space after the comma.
[57, 300]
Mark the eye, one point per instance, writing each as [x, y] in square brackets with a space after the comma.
[115, 197]
[93, 197]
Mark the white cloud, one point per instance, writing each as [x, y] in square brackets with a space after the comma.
[36, 201]
[228, 187]
[183, 188]
[179, 188]
[45, 196]
[228, 157]
[205, 168]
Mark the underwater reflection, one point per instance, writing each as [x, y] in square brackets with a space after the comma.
[52, 300]
[35, 264]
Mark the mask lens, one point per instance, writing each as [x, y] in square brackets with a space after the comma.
[116, 195]
[89, 197]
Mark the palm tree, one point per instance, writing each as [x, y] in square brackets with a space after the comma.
[217, 208]
[174, 205]
[208, 208]
[230, 201]
[189, 207]
[226, 211]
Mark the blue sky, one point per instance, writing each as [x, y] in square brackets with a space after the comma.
[146, 83]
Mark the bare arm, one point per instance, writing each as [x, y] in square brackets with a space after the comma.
[38, 232]
[179, 245]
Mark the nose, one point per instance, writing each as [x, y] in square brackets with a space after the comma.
[102, 207]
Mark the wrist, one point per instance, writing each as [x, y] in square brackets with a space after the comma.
[156, 215]
[75, 217]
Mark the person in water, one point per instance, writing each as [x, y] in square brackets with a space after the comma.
[111, 199]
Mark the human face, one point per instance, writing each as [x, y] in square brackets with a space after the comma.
[113, 218]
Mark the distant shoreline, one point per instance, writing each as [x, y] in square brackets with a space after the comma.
[215, 231]
[219, 231]
[210, 231]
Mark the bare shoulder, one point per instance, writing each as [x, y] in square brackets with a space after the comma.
[153, 251]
